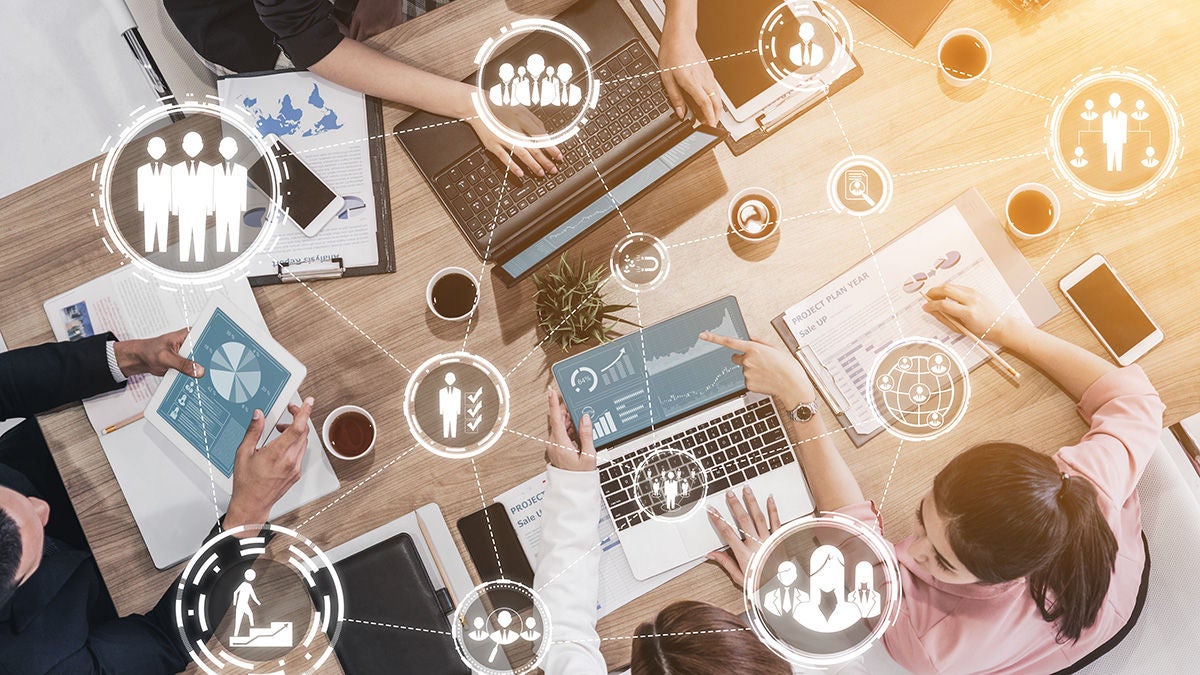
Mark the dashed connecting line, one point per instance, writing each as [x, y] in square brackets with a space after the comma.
[377, 136]
[678, 67]
[568, 567]
[379, 624]
[550, 333]
[487, 517]
[652, 635]
[888, 484]
[772, 222]
[212, 481]
[1039, 153]
[934, 65]
[361, 483]
[487, 251]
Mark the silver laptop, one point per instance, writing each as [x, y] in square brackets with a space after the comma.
[674, 425]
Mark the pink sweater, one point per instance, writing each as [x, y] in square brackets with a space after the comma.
[945, 628]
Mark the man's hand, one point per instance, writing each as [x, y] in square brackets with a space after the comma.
[685, 71]
[155, 356]
[745, 536]
[262, 475]
[561, 451]
[768, 370]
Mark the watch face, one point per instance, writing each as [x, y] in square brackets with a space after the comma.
[803, 412]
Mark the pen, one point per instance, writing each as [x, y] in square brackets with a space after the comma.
[437, 559]
[1004, 365]
[123, 423]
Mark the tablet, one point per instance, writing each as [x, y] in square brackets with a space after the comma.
[728, 34]
[244, 369]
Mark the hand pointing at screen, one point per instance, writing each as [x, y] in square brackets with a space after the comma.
[768, 370]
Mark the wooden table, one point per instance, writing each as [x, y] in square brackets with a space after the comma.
[899, 112]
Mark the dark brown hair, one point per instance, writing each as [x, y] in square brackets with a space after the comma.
[1011, 512]
[696, 638]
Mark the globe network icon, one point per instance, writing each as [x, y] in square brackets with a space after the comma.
[919, 388]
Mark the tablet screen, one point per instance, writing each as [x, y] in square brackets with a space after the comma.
[725, 28]
[212, 413]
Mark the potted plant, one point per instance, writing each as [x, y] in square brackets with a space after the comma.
[571, 305]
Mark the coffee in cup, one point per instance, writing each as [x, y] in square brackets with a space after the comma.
[1032, 211]
[349, 432]
[964, 55]
[452, 294]
[754, 214]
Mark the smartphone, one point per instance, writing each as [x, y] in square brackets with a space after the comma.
[506, 558]
[308, 202]
[1110, 309]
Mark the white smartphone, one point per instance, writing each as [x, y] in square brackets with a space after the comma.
[1110, 309]
[308, 202]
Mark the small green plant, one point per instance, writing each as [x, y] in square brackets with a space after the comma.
[571, 307]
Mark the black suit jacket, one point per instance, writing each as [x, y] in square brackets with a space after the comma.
[61, 619]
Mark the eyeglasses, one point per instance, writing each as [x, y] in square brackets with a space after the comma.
[917, 282]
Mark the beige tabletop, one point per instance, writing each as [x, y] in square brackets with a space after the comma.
[938, 141]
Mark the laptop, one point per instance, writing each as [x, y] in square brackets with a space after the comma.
[662, 390]
[632, 138]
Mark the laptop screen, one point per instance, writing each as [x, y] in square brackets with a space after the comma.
[654, 375]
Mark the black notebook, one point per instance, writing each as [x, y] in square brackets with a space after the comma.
[388, 583]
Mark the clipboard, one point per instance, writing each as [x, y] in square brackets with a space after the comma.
[334, 267]
[773, 116]
[1012, 265]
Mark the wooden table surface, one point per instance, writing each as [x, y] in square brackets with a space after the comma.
[937, 140]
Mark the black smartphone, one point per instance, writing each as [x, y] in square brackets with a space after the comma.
[309, 202]
[506, 559]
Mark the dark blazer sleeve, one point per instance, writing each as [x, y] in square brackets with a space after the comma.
[36, 379]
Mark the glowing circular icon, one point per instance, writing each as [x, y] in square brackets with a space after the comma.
[1115, 136]
[502, 627]
[173, 196]
[456, 405]
[639, 262]
[822, 589]
[555, 82]
[919, 388]
[860, 186]
[800, 44]
[670, 485]
[254, 598]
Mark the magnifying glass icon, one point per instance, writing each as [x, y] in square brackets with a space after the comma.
[856, 187]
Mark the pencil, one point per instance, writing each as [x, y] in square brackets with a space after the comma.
[437, 559]
[123, 423]
[1004, 365]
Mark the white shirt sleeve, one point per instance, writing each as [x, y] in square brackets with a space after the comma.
[110, 353]
[568, 571]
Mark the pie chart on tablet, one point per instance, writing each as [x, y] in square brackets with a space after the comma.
[235, 372]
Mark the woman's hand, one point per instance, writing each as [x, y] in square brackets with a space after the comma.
[745, 536]
[972, 310]
[538, 160]
[768, 370]
[562, 451]
[685, 70]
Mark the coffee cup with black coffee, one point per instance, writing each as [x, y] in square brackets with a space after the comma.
[754, 214]
[1032, 211]
[349, 432]
[452, 294]
[964, 55]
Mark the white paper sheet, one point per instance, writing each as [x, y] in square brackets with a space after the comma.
[618, 586]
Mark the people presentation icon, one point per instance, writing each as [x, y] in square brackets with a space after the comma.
[502, 628]
[859, 186]
[535, 84]
[253, 599]
[798, 42]
[456, 405]
[1115, 136]
[640, 262]
[670, 484]
[822, 589]
[919, 388]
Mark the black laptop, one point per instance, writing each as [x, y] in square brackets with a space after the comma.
[632, 138]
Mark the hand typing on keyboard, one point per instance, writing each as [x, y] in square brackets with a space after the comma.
[562, 452]
[539, 160]
[768, 370]
[745, 535]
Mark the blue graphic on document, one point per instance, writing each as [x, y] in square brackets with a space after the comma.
[312, 118]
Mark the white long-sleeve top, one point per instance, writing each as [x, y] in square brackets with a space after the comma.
[568, 571]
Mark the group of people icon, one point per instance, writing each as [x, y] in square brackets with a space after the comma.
[503, 627]
[827, 575]
[1114, 133]
[535, 83]
[671, 487]
[191, 190]
[807, 53]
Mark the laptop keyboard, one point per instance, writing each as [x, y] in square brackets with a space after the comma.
[631, 97]
[732, 448]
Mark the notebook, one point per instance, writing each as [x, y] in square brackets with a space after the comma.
[908, 19]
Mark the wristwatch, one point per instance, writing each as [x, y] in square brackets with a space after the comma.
[804, 412]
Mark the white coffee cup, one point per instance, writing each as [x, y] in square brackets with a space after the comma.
[750, 214]
[1055, 206]
[441, 274]
[338, 412]
[954, 80]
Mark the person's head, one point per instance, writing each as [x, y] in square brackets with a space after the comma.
[192, 143]
[864, 576]
[156, 147]
[506, 72]
[565, 72]
[228, 148]
[250, 575]
[700, 639]
[827, 568]
[22, 534]
[1000, 512]
[787, 573]
[536, 64]
[807, 31]
[1114, 100]
[450, 379]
